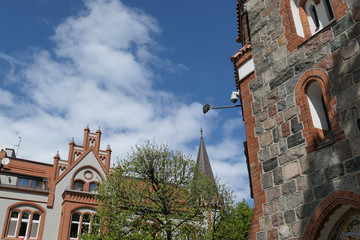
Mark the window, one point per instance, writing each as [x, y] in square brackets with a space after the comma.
[79, 185]
[317, 111]
[14, 219]
[319, 15]
[317, 107]
[35, 224]
[24, 223]
[23, 182]
[85, 227]
[314, 17]
[93, 187]
[302, 19]
[36, 183]
[348, 226]
[77, 220]
[329, 11]
[27, 182]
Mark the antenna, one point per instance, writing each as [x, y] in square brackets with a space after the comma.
[18, 145]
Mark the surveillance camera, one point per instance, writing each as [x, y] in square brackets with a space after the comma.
[234, 97]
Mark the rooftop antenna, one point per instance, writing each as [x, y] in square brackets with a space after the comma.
[18, 145]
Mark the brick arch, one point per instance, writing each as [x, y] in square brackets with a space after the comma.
[76, 207]
[339, 8]
[32, 204]
[86, 183]
[291, 36]
[66, 214]
[312, 136]
[326, 208]
[42, 210]
[304, 18]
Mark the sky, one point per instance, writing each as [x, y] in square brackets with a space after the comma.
[138, 69]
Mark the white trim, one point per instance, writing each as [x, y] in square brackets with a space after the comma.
[246, 69]
[296, 17]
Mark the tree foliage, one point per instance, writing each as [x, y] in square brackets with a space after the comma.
[157, 193]
[234, 222]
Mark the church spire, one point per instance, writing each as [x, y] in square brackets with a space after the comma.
[203, 161]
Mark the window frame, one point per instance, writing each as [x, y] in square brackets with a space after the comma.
[314, 139]
[28, 221]
[31, 180]
[92, 190]
[80, 224]
[83, 185]
[296, 23]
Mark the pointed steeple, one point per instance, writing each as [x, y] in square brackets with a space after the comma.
[203, 161]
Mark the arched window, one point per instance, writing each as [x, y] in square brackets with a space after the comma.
[23, 223]
[317, 107]
[86, 179]
[317, 110]
[314, 16]
[75, 223]
[329, 11]
[80, 219]
[35, 224]
[348, 226]
[13, 224]
[304, 18]
[78, 185]
[85, 226]
[319, 14]
[93, 187]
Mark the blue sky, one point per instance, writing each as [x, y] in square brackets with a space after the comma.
[139, 69]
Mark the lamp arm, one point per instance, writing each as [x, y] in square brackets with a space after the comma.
[207, 107]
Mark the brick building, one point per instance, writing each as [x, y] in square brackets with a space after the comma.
[298, 75]
[56, 201]
[51, 201]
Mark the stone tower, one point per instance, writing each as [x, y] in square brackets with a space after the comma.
[298, 75]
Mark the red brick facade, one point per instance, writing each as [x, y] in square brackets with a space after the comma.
[57, 192]
[315, 138]
[339, 7]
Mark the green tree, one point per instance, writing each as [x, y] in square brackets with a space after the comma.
[234, 222]
[157, 193]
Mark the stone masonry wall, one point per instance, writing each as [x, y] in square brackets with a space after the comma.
[295, 180]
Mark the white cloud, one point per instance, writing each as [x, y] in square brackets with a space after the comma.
[101, 72]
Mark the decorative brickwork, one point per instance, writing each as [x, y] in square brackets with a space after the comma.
[29, 185]
[27, 204]
[315, 138]
[294, 40]
[326, 208]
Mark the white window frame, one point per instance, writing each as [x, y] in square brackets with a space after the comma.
[35, 221]
[14, 220]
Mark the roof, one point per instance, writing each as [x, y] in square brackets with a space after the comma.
[203, 161]
[242, 51]
[28, 167]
